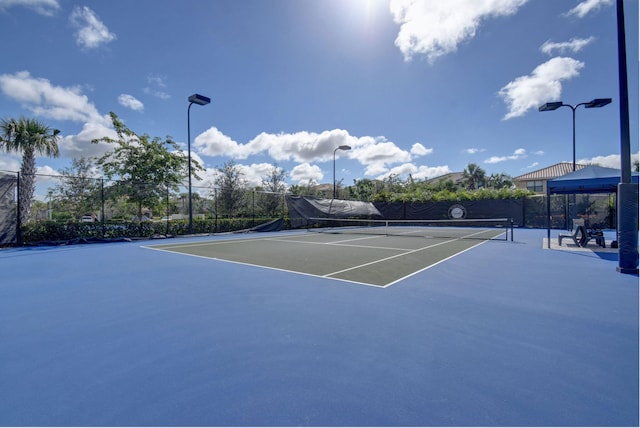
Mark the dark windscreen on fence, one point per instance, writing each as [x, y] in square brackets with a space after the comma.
[303, 207]
[8, 207]
[443, 210]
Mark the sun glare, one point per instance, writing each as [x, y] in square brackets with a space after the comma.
[365, 10]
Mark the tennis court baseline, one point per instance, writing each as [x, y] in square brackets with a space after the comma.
[372, 260]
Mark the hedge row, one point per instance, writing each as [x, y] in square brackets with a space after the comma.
[46, 231]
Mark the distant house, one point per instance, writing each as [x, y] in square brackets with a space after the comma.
[536, 181]
[456, 177]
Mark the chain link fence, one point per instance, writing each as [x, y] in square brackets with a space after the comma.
[65, 208]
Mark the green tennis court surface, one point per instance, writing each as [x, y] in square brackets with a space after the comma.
[365, 259]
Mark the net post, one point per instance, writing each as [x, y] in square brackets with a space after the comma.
[511, 225]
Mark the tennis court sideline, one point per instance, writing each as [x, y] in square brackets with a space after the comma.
[373, 260]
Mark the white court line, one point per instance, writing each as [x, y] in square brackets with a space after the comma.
[341, 244]
[326, 276]
[297, 272]
[391, 257]
[432, 265]
[200, 244]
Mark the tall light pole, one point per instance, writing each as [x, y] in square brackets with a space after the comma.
[598, 102]
[200, 100]
[334, 166]
[595, 103]
[627, 191]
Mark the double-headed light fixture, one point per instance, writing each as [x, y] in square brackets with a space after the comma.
[598, 102]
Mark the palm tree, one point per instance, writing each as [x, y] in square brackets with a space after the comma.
[474, 176]
[499, 181]
[29, 137]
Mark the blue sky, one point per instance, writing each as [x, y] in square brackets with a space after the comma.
[414, 87]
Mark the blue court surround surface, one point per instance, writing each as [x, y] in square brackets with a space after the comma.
[508, 333]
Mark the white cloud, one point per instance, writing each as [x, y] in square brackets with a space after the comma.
[542, 85]
[212, 142]
[304, 173]
[574, 45]
[253, 173]
[517, 154]
[588, 6]
[473, 151]
[419, 150]
[10, 162]
[131, 102]
[250, 174]
[533, 165]
[43, 7]
[609, 161]
[421, 172]
[435, 27]
[156, 88]
[80, 145]
[426, 172]
[91, 32]
[44, 99]
[157, 93]
[376, 170]
[376, 153]
[157, 80]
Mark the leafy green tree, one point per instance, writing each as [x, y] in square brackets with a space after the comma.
[447, 185]
[394, 183]
[28, 137]
[309, 189]
[143, 166]
[231, 188]
[364, 189]
[274, 185]
[79, 190]
[474, 176]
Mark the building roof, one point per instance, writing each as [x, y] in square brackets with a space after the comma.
[550, 172]
[592, 179]
[456, 177]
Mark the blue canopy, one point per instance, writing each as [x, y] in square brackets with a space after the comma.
[590, 179]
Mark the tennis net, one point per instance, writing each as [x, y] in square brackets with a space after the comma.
[481, 229]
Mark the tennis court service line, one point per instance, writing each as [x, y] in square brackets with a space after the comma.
[341, 243]
[464, 236]
[328, 275]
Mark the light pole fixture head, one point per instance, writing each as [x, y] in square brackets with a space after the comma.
[550, 106]
[199, 99]
[344, 147]
[598, 102]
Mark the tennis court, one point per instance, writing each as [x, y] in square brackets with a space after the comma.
[504, 333]
[369, 255]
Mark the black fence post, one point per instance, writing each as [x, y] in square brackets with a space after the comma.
[166, 216]
[18, 211]
[102, 219]
[215, 198]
